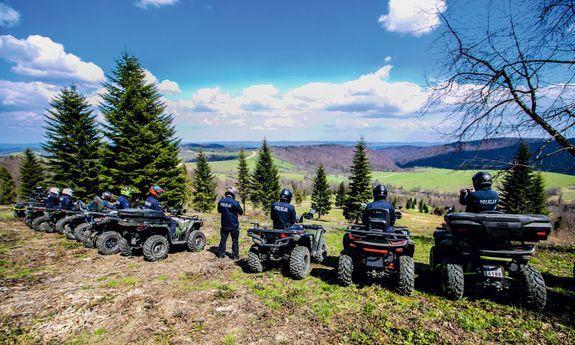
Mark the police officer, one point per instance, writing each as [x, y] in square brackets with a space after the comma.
[66, 199]
[107, 201]
[153, 203]
[379, 196]
[482, 198]
[53, 198]
[282, 212]
[123, 200]
[230, 209]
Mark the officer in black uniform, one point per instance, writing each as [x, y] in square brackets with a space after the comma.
[379, 196]
[230, 209]
[282, 212]
[482, 198]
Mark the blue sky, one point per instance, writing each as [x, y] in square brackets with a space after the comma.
[231, 70]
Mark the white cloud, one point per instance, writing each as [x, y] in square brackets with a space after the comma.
[26, 96]
[387, 59]
[166, 87]
[155, 3]
[416, 17]
[9, 17]
[40, 57]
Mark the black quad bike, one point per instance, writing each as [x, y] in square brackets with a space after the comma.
[490, 250]
[33, 212]
[52, 220]
[149, 230]
[20, 209]
[103, 233]
[70, 225]
[369, 250]
[297, 245]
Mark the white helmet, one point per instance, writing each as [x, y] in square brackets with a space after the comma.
[55, 191]
[68, 191]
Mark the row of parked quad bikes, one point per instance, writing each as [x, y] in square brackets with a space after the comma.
[489, 250]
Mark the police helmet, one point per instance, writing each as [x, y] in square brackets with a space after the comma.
[379, 192]
[482, 180]
[230, 191]
[127, 191]
[68, 191]
[55, 191]
[286, 195]
[156, 191]
[107, 196]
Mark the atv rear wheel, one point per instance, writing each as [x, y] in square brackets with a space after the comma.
[196, 241]
[37, 223]
[432, 260]
[125, 249]
[345, 269]
[532, 288]
[47, 228]
[61, 224]
[406, 276]
[321, 252]
[69, 232]
[156, 248]
[79, 231]
[108, 242]
[299, 262]
[452, 281]
[254, 263]
[89, 239]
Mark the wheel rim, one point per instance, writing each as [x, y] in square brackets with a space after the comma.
[158, 248]
[111, 243]
[198, 241]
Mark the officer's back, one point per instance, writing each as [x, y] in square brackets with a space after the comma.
[282, 212]
[230, 209]
[483, 198]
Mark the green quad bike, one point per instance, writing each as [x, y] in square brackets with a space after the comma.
[377, 251]
[149, 230]
[490, 250]
[297, 245]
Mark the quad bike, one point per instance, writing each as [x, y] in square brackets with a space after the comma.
[149, 230]
[102, 232]
[490, 250]
[52, 219]
[377, 250]
[295, 245]
[35, 199]
[33, 212]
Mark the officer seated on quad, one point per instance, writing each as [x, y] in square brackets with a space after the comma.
[482, 198]
[66, 202]
[282, 212]
[373, 209]
[123, 200]
[53, 198]
[153, 203]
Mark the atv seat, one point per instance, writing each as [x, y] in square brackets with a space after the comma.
[378, 220]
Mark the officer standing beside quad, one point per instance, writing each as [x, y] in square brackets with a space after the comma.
[152, 203]
[482, 198]
[282, 212]
[229, 209]
[379, 196]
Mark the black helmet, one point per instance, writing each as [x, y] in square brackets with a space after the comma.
[379, 192]
[482, 180]
[231, 192]
[285, 195]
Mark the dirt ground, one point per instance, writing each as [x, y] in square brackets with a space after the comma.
[58, 291]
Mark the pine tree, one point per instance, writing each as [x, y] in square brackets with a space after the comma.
[203, 185]
[536, 195]
[265, 179]
[340, 195]
[243, 178]
[31, 174]
[73, 143]
[7, 187]
[359, 186]
[142, 149]
[321, 195]
[298, 197]
[514, 196]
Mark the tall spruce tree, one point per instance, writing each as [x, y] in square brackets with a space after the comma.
[321, 195]
[360, 183]
[203, 185]
[7, 187]
[31, 174]
[514, 196]
[340, 195]
[536, 195]
[243, 179]
[265, 181]
[142, 149]
[73, 143]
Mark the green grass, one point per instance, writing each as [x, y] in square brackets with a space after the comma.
[229, 168]
[125, 281]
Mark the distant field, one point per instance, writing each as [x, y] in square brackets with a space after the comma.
[230, 167]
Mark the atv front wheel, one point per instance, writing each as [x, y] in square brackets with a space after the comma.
[156, 248]
[69, 232]
[108, 242]
[79, 231]
[46, 227]
[125, 249]
[345, 269]
[452, 280]
[254, 262]
[321, 252]
[61, 225]
[37, 223]
[299, 262]
[532, 288]
[406, 277]
[88, 239]
[196, 241]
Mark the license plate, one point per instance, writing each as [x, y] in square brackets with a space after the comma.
[374, 261]
[493, 271]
